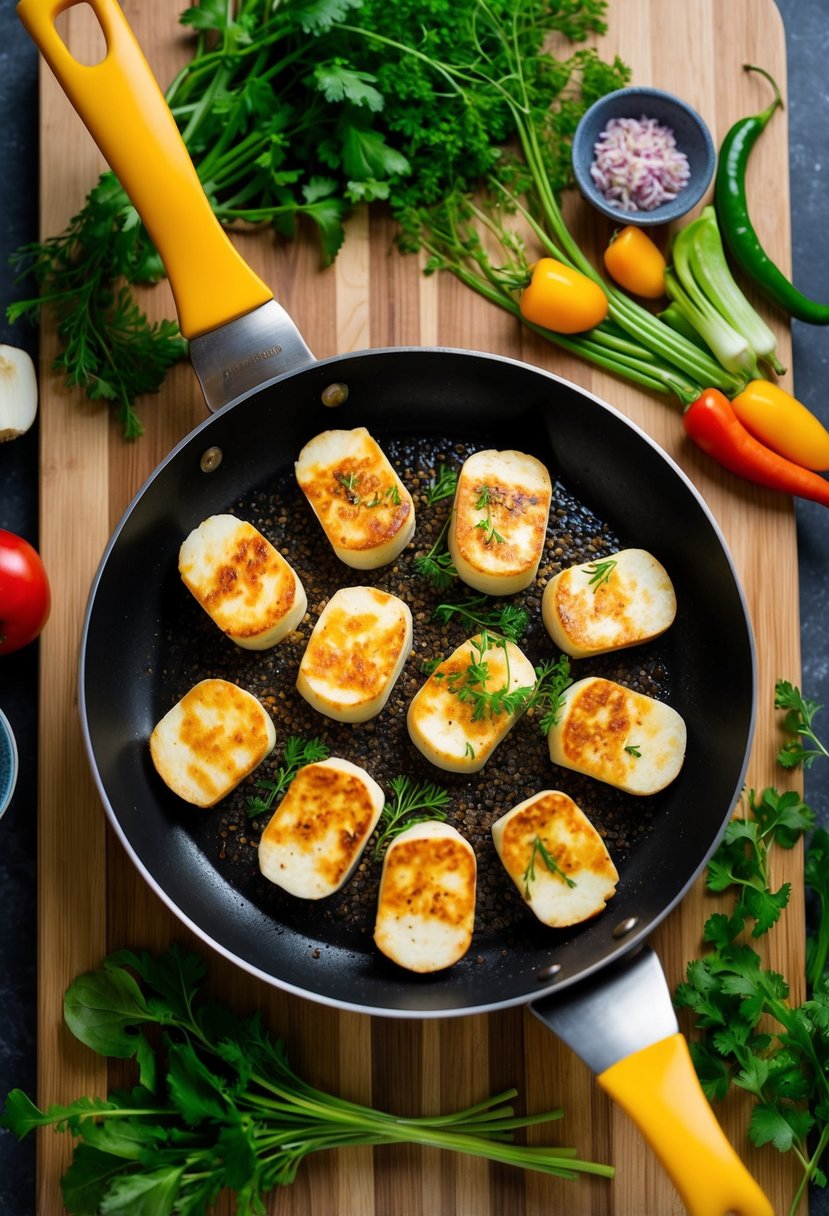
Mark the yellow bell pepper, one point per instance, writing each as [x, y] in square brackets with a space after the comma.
[783, 423]
[562, 299]
[636, 263]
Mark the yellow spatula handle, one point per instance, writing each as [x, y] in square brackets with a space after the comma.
[658, 1088]
[125, 112]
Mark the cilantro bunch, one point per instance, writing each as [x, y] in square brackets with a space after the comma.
[751, 1035]
[217, 1105]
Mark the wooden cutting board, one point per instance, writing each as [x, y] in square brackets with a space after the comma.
[91, 899]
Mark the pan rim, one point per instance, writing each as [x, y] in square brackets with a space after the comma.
[631, 941]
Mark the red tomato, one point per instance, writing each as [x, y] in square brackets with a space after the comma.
[25, 596]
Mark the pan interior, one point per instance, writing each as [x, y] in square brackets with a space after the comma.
[146, 641]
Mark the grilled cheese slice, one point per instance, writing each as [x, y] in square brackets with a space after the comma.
[556, 858]
[618, 736]
[426, 904]
[608, 604]
[355, 653]
[317, 834]
[210, 741]
[242, 582]
[365, 510]
[499, 521]
[442, 719]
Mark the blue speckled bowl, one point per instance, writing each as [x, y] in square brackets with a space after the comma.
[8, 763]
[692, 137]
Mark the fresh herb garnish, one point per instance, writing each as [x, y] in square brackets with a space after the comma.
[633, 750]
[601, 572]
[470, 684]
[437, 566]
[751, 1033]
[509, 620]
[550, 862]
[797, 723]
[295, 755]
[484, 503]
[443, 485]
[552, 679]
[412, 802]
[216, 1104]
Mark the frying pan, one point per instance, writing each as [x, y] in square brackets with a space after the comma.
[598, 985]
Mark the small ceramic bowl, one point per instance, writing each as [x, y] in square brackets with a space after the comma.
[8, 763]
[691, 134]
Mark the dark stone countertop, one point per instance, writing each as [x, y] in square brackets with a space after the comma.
[807, 32]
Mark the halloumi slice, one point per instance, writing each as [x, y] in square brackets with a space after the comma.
[556, 858]
[444, 718]
[317, 834]
[499, 520]
[355, 653]
[618, 736]
[210, 741]
[244, 584]
[426, 904]
[607, 604]
[365, 510]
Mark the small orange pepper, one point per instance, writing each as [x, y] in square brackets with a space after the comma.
[562, 299]
[636, 263]
[783, 423]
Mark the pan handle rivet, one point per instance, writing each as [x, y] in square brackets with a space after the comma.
[210, 460]
[548, 973]
[334, 395]
[624, 927]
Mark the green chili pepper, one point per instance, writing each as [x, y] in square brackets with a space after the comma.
[735, 222]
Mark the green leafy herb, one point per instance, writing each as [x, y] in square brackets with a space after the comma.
[601, 572]
[412, 802]
[437, 566]
[484, 503]
[750, 1032]
[633, 750]
[552, 679]
[798, 722]
[350, 481]
[217, 1105]
[470, 685]
[442, 485]
[550, 862]
[509, 620]
[295, 755]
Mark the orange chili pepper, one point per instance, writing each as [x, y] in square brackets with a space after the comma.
[783, 423]
[562, 299]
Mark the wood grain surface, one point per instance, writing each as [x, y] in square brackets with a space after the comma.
[91, 898]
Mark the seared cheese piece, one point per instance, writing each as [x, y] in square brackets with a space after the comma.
[443, 724]
[210, 740]
[242, 582]
[355, 653]
[618, 736]
[426, 904]
[499, 521]
[318, 832]
[365, 510]
[609, 603]
[556, 858]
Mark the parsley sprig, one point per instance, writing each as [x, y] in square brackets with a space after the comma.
[411, 802]
[752, 1035]
[486, 525]
[216, 1104]
[442, 484]
[510, 620]
[436, 565]
[471, 685]
[803, 747]
[296, 754]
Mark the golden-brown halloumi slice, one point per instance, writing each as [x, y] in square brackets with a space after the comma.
[244, 584]
[499, 520]
[556, 858]
[365, 510]
[210, 741]
[444, 719]
[317, 834]
[426, 904]
[618, 736]
[355, 653]
[607, 604]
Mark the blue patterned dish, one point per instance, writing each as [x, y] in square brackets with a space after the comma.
[8, 763]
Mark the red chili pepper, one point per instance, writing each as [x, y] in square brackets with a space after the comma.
[712, 424]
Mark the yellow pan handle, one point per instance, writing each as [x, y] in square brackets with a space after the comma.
[125, 111]
[658, 1088]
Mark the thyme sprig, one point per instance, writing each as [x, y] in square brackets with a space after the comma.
[550, 862]
[601, 572]
[411, 802]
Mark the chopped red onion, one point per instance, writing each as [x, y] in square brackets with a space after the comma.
[638, 165]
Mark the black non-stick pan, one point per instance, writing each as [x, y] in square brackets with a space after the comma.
[598, 985]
